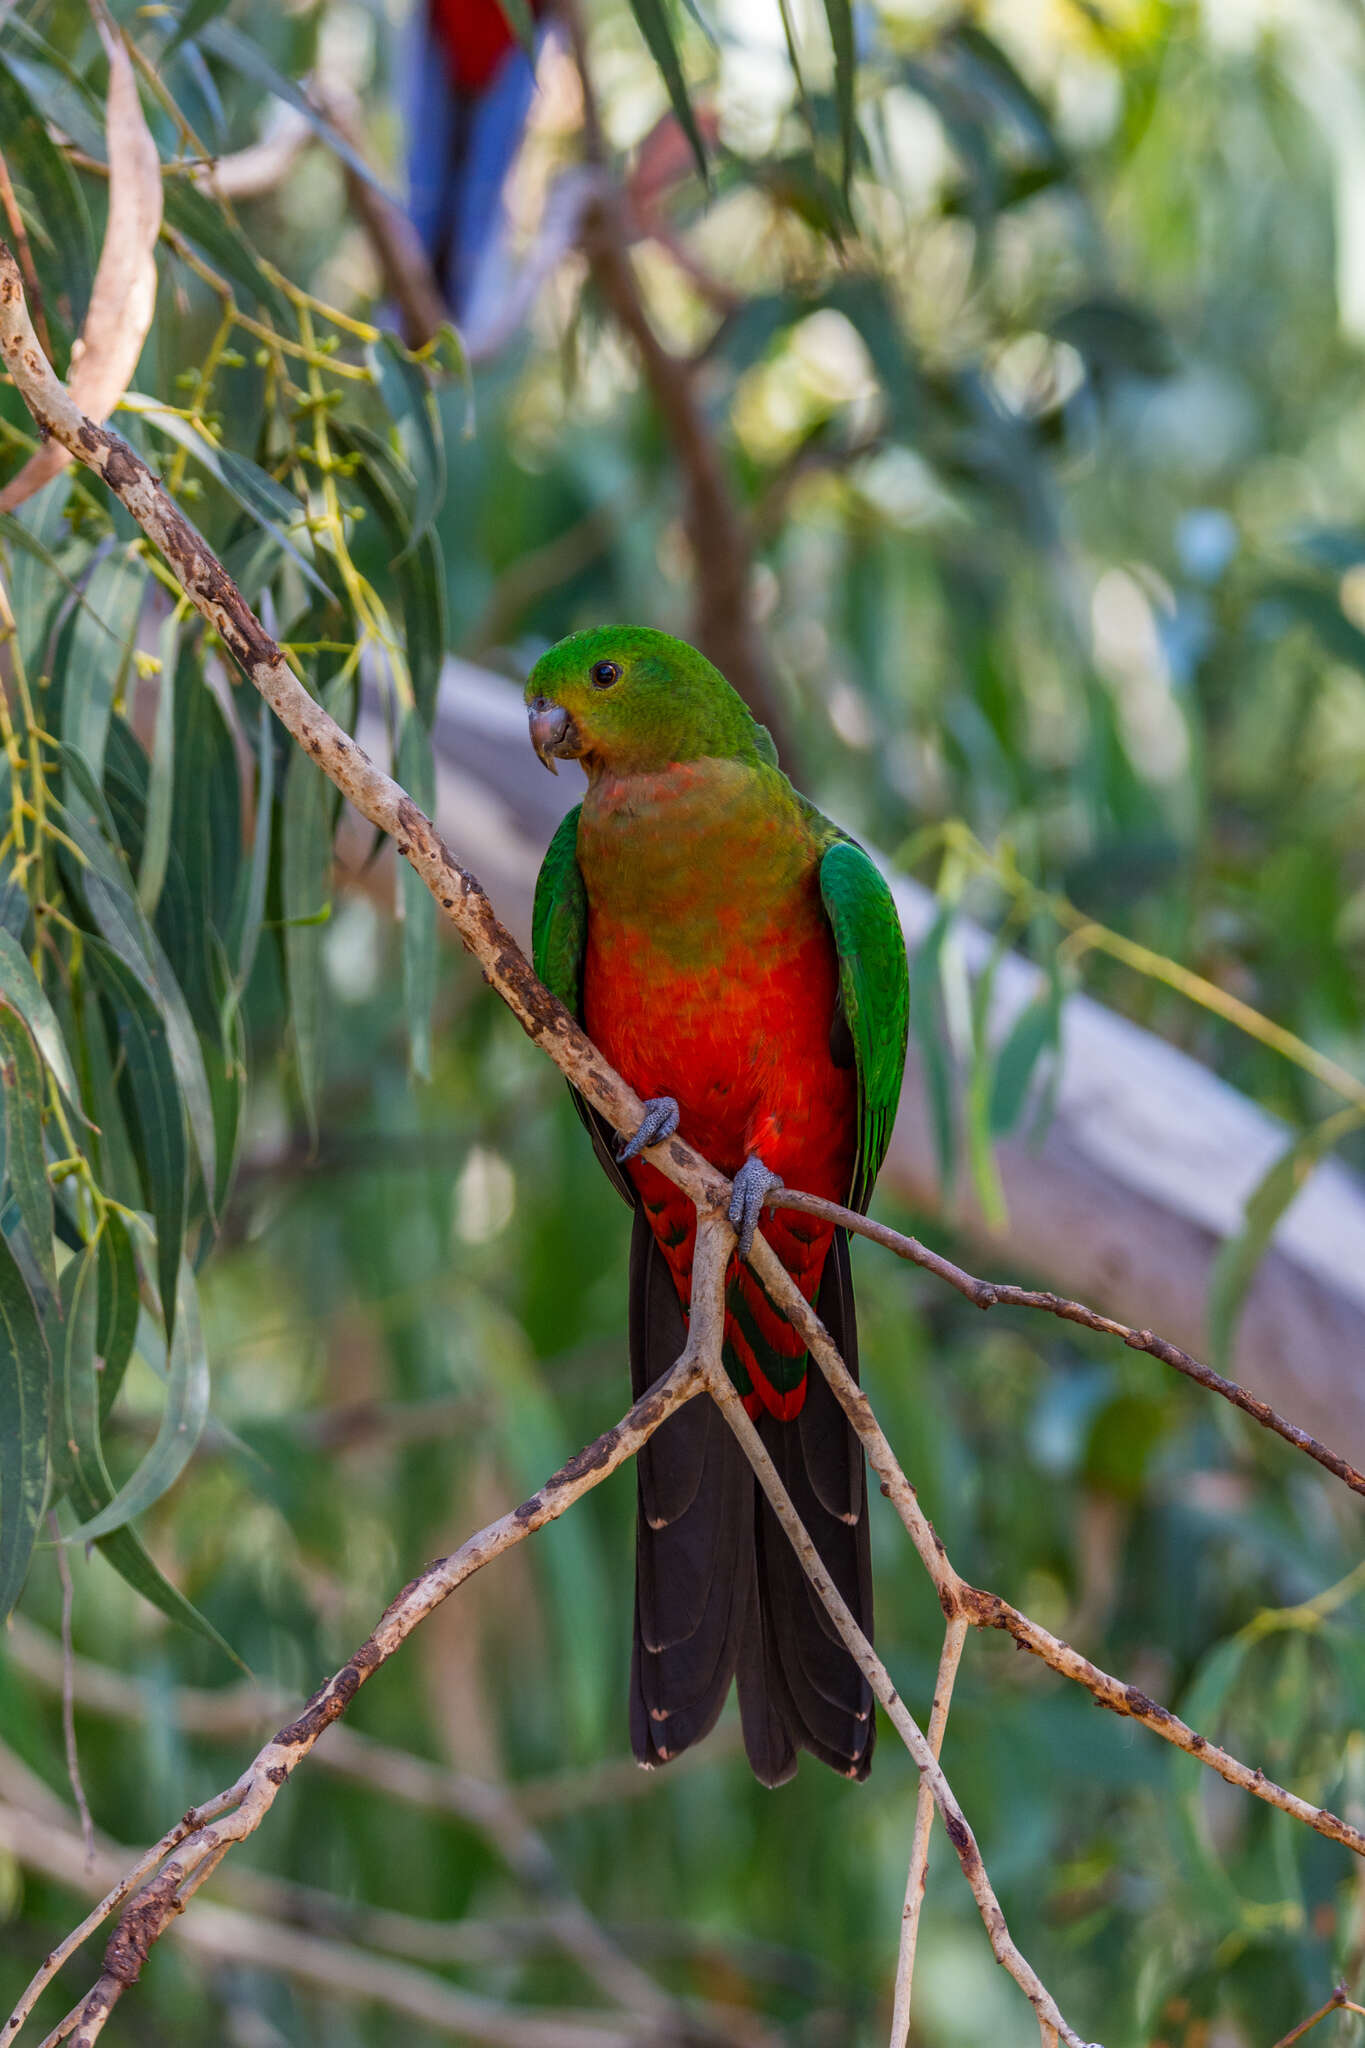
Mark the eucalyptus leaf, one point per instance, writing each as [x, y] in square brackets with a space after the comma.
[19, 986]
[25, 1371]
[25, 1160]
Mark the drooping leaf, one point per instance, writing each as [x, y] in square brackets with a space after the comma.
[156, 839]
[521, 21]
[224, 40]
[306, 896]
[196, 15]
[1234, 1268]
[118, 1308]
[155, 1114]
[839, 15]
[24, 1376]
[25, 1162]
[1034, 1032]
[652, 19]
[119, 918]
[407, 393]
[928, 1029]
[181, 1426]
[20, 988]
[252, 881]
[417, 773]
[191, 213]
[59, 220]
[79, 1461]
[99, 651]
[268, 503]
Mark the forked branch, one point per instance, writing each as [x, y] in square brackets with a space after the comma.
[200, 1840]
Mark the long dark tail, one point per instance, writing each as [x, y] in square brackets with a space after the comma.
[718, 1590]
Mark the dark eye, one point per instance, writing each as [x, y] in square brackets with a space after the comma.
[604, 674]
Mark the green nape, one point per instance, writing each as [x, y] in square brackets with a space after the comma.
[666, 702]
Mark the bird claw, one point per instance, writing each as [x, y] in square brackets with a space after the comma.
[749, 1190]
[659, 1121]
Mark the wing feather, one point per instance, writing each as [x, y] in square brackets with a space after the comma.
[874, 997]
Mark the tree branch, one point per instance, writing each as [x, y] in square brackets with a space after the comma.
[198, 1844]
[954, 1637]
[231, 1815]
[999, 1293]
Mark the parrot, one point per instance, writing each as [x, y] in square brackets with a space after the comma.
[739, 960]
[470, 84]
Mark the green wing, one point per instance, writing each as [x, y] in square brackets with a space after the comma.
[559, 939]
[874, 995]
[559, 919]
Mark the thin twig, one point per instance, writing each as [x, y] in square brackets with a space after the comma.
[237, 1812]
[1001, 1294]
[708, 1282]
[1338, 2002]
[73, 1760]
[953, 1638]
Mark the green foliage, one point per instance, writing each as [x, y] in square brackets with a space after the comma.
[1031, 379]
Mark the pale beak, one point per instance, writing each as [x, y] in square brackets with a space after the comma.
[553, 734]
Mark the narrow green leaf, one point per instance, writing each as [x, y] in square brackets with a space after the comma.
[521, 21]
[157, 1122]
[926, 1022]
[224, 40]
[417, 773]
[256, 876]
[56, 88]
[1034, 1031]
[407, 392]
[100, 650]
[981, 1157]
[839, 15]
[19, 987]
[196, 16]
[652, 19]
[25, 1161]
[25, 1373]
[59, 220]
[265, 501]
[306, 896]
[219, 241]
[422, 587]
[156, 838]
[119, 1308]
[1234, 1268]
[79, 1461]
[181, 1426]
[119, 918]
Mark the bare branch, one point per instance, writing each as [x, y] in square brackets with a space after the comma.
[988, 1610]
[239, 1811]
[954, 1636]
[221, 1934]
[1001, 1294]
[1338, 2002]
[714, 1239]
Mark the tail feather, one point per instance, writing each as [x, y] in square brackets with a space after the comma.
[719, 1591]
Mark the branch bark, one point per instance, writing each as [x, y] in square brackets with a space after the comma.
[199, 1845]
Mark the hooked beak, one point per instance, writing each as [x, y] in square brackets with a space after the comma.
[553, 733]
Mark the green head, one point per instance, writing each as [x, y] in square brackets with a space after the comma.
[630, 701]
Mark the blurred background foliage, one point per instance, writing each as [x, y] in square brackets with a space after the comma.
[1037, 369]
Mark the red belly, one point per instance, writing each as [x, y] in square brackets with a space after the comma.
[744, 1049]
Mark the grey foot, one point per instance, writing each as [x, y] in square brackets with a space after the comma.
[659, 1121]
[751, 1185]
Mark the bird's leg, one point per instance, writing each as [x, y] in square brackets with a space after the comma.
[749, 1190]
[659, 1121]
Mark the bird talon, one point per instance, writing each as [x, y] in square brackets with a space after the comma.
[750, 1189]
[659, 1121]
